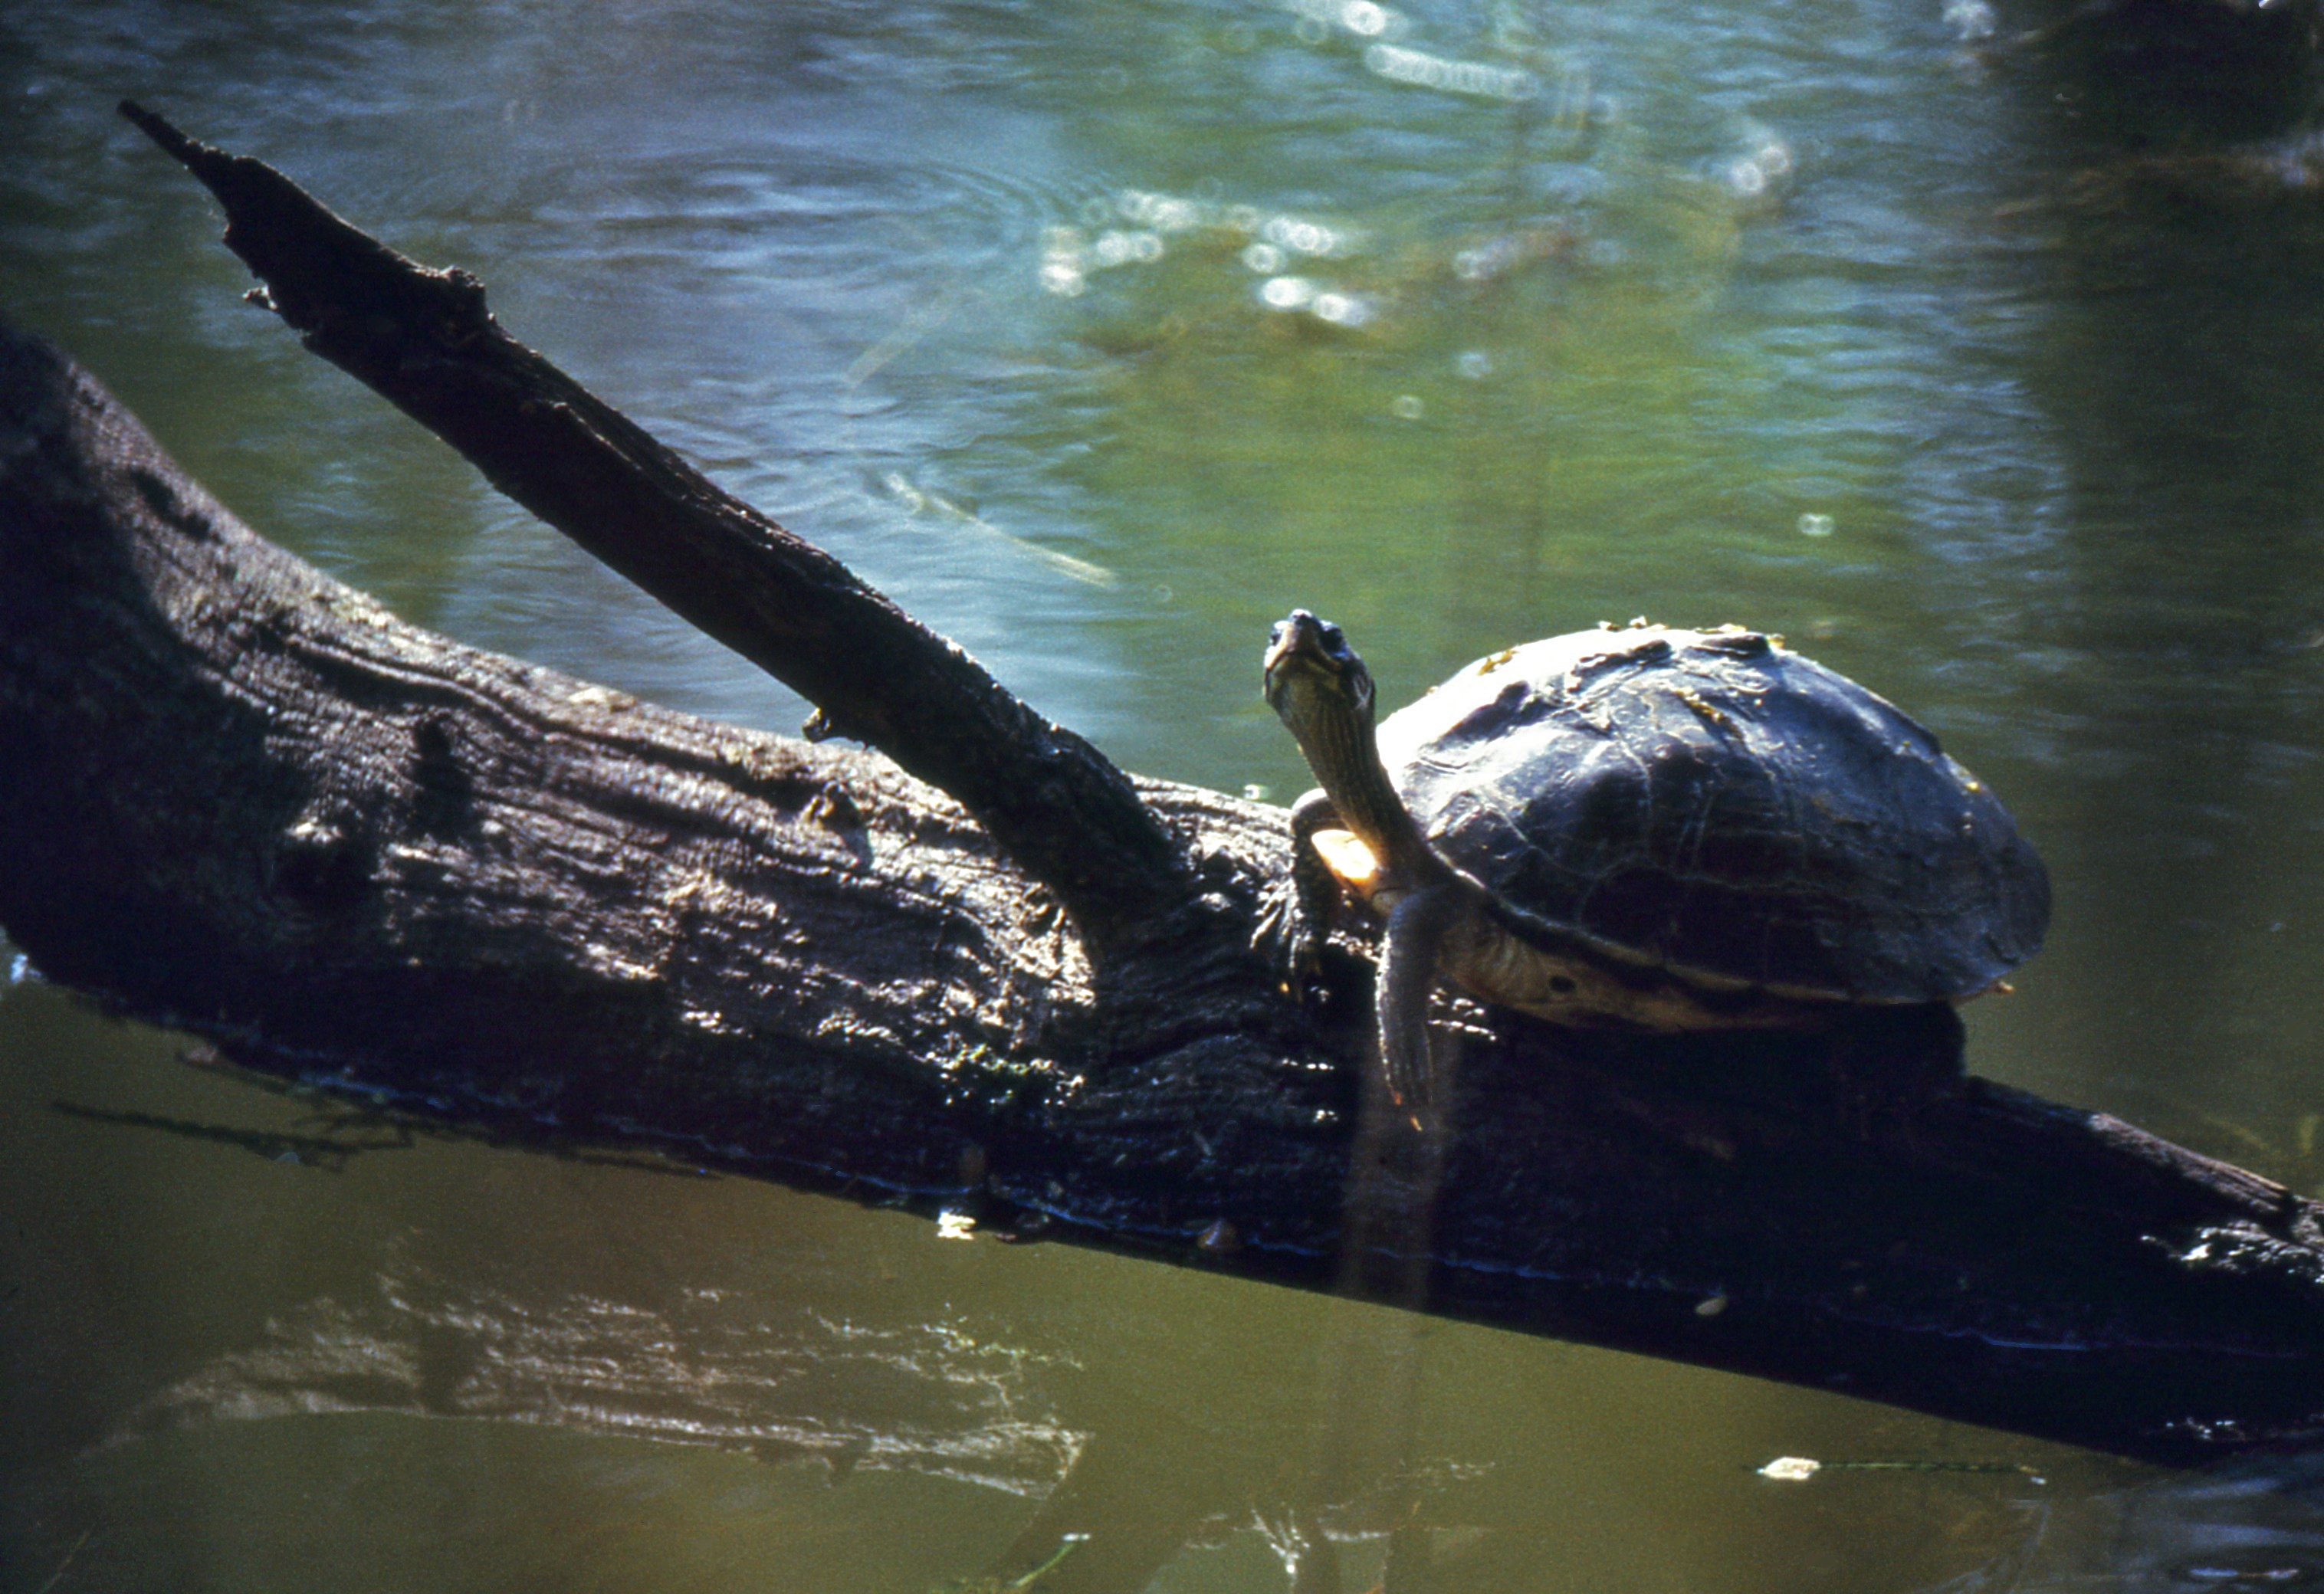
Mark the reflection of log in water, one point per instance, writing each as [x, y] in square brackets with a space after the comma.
[2276, 184]
[2166, 71]
[331, 1152]
[2241, 1528]
[241, 797]
[2174, 381]
[1134, 1441]
[1130, 1480]
[708, 1368]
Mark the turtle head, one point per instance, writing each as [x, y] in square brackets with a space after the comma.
[1313, 677]
[1323, 694]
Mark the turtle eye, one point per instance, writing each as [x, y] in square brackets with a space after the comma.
[1334, 638]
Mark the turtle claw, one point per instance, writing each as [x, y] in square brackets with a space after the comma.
[1285, 940]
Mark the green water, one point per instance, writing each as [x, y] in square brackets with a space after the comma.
[1100, 336]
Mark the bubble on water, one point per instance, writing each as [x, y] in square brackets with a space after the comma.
[1406, 407]
[1400, 65]
[1061, 261]
[1475, 365]
[1301, 237]
[1120, 248]
[1265, 259]
[1817, 526]
[1974, 18]
[1286, 293]
[1165, 213]
[1257, 791]
[1366, 19]
[1767, 161]
[21, 971]
[1342, 309]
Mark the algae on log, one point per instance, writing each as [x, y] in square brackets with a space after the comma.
[237, 797]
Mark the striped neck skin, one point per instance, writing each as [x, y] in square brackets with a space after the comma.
[1340, 748]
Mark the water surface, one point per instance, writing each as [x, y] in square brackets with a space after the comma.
[1100, 336]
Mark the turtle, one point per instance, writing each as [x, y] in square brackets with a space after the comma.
[1644, 828]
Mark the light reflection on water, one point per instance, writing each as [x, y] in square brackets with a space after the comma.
[1101, 336]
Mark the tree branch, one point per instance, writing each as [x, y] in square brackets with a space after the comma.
[424, 340]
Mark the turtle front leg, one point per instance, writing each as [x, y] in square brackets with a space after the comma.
[1412, 949]
[1299, 921]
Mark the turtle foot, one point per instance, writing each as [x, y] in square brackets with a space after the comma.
[1286, 940]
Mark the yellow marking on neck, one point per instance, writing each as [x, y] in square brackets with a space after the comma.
[1344, 853]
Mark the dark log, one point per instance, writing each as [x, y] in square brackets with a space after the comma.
[425, 340]
[239, 798]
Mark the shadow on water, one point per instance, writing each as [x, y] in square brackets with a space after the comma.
[2254, 1525]
[330, 1152]
[2183, 272]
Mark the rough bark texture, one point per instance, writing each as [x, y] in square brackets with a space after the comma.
[424, 339]
[238, 796]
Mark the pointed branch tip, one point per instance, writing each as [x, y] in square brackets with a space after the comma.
[162, 132]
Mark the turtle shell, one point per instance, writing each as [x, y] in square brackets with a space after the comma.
[1713, 803]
